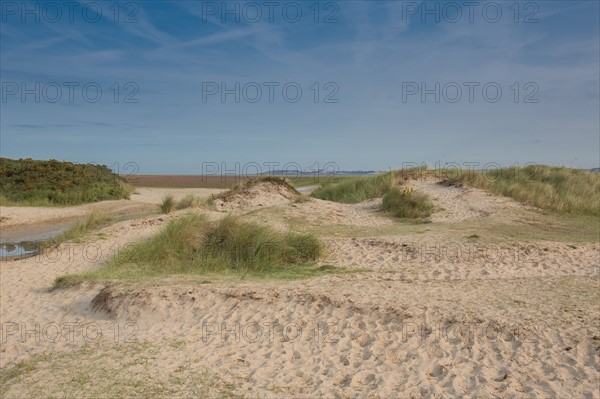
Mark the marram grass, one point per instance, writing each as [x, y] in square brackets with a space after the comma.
[193, 245]
[354, 190]
[406, 204]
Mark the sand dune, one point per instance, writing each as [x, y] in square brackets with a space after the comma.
[262, 194]
[431, 314]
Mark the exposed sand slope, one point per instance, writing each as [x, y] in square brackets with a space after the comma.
[421, 322]
[456, 204]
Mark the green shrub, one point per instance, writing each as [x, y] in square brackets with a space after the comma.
[44, 183]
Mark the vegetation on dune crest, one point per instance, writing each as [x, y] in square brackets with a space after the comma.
[354, 190]
[193, 245]
[245, 185]
[399, 202]
[44, 183]
[277, 180]
[559, 189]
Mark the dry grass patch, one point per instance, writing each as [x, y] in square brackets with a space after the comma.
[119, 371]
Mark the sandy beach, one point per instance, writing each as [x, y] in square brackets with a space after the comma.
[461, 306]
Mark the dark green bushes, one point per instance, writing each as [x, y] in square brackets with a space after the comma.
[30, 182]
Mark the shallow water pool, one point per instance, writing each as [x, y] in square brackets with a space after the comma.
[18, 242]
[19, 249]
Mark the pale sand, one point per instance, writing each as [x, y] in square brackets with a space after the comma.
[142, 198]
[484, 319]
[456, 204]
[259, 195]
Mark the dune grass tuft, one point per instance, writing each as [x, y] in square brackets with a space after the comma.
[193, 245]
[406, 204]
[188, 201]
[168, 204]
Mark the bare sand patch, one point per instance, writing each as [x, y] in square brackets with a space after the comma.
[459, 203]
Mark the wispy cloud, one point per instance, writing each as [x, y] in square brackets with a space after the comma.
[368, 54]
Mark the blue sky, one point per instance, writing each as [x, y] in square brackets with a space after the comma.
[362, 57]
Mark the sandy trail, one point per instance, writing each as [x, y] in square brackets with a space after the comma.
[418, 322]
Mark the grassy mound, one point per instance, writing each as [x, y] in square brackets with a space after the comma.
[404, 204]
[39, 183]
[193, 245]
[559, 189]
[354, 190]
